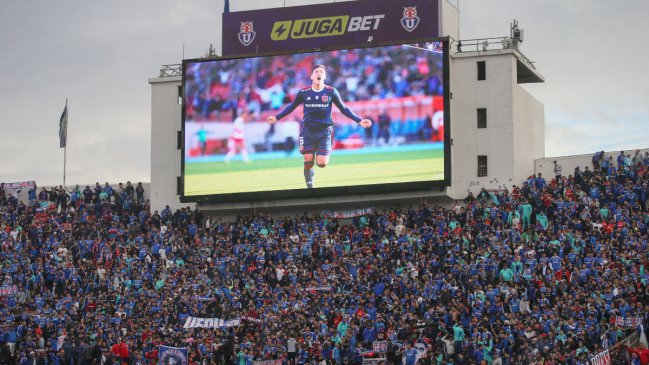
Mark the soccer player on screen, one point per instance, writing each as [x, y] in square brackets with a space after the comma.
[237, 140]
[316, 134]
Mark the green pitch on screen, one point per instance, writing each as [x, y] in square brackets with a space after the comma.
[207, 178]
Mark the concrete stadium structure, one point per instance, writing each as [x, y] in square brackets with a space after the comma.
[513, 141]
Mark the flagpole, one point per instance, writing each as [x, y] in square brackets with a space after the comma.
[65, 148]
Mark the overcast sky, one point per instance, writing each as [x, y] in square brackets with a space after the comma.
[100, 55]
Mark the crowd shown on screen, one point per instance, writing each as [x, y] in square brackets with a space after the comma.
[263, 84]
[550, 272]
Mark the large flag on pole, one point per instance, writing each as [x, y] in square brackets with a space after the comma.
[63, 127]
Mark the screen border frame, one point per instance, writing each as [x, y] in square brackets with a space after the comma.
[325, 191]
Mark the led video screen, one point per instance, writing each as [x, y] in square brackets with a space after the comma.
[335, 119]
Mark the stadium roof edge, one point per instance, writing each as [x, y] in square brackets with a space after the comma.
[525, 70]
[156, 80]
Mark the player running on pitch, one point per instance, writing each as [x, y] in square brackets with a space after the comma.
[237, 140]
[317, 128]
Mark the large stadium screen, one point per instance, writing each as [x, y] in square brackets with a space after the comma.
[367, 117]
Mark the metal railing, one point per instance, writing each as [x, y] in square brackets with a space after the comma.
[489, 44]
[170, 70]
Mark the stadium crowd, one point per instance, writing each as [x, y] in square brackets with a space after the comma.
[537, 274]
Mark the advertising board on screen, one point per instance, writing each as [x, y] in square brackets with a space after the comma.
[366, 120]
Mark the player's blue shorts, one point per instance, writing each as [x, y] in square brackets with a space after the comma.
[316, 139]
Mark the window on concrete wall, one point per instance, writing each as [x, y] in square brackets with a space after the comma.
[482, 166]
[482, 117]
[482, 70]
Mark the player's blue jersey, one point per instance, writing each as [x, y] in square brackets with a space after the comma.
[317, 106]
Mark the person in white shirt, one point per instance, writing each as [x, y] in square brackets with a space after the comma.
[237, 139]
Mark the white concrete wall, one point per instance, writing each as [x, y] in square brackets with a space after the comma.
[546, 166]
[496, 141]
[165, 157]
[450, 20]
[515, 133]
[529, 133]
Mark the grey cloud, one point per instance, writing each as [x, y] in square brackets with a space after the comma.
[592, 56]
[100, 56]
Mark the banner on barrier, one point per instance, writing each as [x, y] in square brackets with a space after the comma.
[172, 355]
[267, 362]
[317, 288]
[347, 213]
[19, 185]
[251, 319]
[628, 322]
[374, 361]
[7, 290]
[380, 346]
[603, 358]
[194, 322]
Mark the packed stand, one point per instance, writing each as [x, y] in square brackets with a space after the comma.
[538, 274]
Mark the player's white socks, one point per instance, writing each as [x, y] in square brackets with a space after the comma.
[229, 156]
[244, 155]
